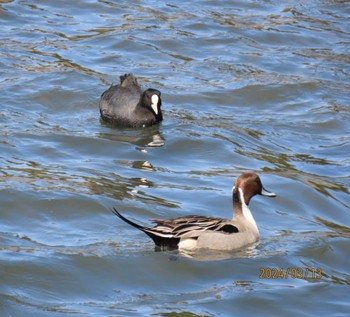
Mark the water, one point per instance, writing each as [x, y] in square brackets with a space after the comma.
[258, 86]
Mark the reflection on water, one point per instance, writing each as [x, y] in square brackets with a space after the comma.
[340, 230]
[213, 255]
[247, 86]
[149, 137]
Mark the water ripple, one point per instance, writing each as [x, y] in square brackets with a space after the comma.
[247, 86]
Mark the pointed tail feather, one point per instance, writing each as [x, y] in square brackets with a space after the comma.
[158, 238]
[117, 213]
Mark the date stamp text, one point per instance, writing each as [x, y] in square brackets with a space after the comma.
[290, 272]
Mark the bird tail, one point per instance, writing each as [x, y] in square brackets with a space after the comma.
[160, 239]
[134, 224]
[128, 80]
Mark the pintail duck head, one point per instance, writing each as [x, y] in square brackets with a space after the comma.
[248, 185]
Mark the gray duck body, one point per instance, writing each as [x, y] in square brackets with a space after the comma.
[192, 233]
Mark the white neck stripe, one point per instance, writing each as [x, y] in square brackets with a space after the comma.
[246, 212]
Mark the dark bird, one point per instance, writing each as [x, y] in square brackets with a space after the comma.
[125, 105]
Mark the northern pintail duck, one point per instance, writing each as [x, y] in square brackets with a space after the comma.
[191, 233]
[125, 105]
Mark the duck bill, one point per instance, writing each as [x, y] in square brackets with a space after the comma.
[265, 192]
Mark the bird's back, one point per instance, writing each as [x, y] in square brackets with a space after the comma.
[120, 101]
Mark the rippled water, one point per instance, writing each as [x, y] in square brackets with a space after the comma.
[251, 85]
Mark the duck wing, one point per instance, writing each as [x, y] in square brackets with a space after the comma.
[192, 226]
